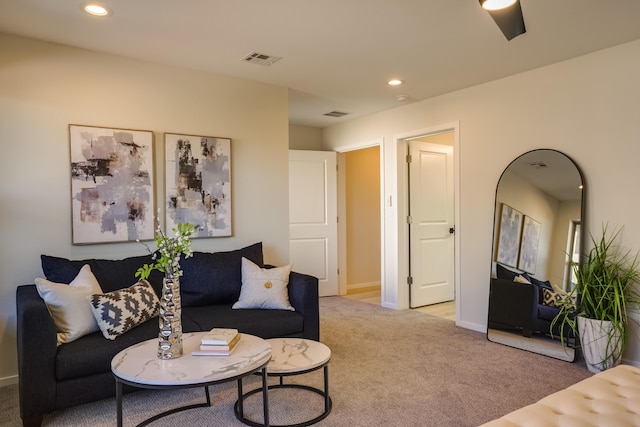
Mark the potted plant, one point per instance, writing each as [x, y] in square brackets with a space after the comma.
[597, 306]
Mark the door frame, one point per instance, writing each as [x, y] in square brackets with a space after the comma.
[401, 146]
[394, 211]
[342, 230]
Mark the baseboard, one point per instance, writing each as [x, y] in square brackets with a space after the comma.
[363, 287]
[7, 381]
[473, 326]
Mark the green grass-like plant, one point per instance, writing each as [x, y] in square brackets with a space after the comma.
[605, 290]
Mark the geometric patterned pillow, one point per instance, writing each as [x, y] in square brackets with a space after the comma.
[552, 298]
[119, 311]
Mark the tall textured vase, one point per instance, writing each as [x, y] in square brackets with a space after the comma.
[170, 334]
[600, 346]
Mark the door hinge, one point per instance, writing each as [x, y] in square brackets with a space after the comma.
[409, 280]
[452, 230]
[408, 158]
[409, 219]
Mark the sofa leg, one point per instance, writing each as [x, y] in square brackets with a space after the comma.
[32, 421]
[527, 333]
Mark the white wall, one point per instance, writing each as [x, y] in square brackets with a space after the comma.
[44, 87]
[305, 138]
[586, 107]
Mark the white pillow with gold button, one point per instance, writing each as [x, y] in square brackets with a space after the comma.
[264, 287]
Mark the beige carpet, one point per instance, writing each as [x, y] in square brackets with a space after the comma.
[388, 368]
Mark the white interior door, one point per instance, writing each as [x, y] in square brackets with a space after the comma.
[431, 223]
[313, 217]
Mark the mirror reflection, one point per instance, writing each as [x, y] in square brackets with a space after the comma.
[537, 241]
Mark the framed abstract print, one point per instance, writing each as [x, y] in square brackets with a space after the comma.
[509, 236]
[198, 183]
[529, 245]
[112, 184]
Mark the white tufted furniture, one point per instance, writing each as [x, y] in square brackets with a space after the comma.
[609, 398]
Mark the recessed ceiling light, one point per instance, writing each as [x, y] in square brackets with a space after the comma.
[496, 4]
[395, 82]
[96, 9]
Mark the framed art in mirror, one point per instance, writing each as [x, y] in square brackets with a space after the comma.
[198, 183]
[112, 184]
[529, 245]
[509, 236]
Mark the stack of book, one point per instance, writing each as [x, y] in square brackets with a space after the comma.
[218, 342]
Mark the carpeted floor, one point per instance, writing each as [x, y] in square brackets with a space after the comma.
[388, 368]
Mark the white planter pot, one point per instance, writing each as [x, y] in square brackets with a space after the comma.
[597, 344]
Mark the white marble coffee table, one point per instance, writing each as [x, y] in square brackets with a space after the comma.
[294, 356]
[139, 366]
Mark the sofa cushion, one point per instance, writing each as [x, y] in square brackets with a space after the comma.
[119, 311]
[215, 278]
[92, 353]
[111, 274]
[547, 312]
[68, 304]
[264, 288]
[262, 323]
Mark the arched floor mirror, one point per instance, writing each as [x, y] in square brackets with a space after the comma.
[537, 242]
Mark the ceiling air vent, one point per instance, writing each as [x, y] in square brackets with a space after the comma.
[335, 114]
[261, 59]
[538, 165]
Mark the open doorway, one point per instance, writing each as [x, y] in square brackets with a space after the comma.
[359, 226]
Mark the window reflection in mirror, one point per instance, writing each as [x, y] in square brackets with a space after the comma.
[539, 208]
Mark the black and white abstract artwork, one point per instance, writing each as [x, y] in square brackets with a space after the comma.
[529, 245]
[509, 236]
[112, 190]
[198, 183]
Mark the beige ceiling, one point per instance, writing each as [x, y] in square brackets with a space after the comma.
[336, 55]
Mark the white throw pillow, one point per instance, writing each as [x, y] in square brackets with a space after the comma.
[69, 304]
[264, 287]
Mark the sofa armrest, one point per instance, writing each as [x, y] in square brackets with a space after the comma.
[513, 304]
[37, 349]
[303, 295]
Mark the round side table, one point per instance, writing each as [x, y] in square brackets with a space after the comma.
[294, 356]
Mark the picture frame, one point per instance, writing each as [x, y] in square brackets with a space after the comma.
[529, 245]
[112, 184]
[509, 236]
[198, 184]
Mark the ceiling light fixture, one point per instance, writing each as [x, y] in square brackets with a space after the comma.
[507, 14]
[395, 82]
[96, 9]
[496, 4]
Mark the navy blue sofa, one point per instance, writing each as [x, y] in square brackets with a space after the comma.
[521, 306]
[55, 377]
